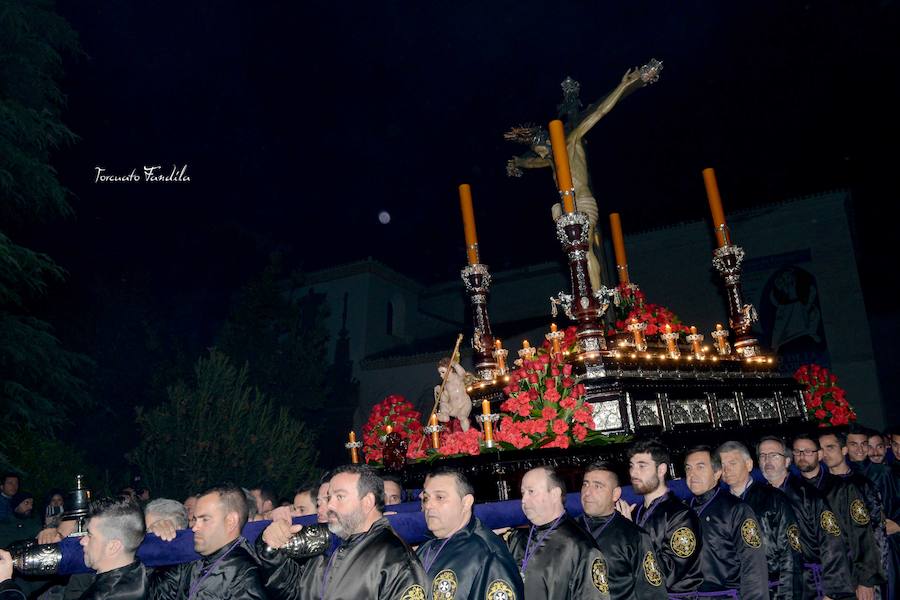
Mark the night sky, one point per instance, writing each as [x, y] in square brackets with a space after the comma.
[300, 122]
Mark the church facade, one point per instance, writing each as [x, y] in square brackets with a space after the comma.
[799, 272]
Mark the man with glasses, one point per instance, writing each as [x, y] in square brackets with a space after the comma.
[850, 509]
[776, 518]
[826, 567]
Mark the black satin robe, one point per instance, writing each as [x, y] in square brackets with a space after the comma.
[10, 591]
[848, 503]
[236, 577]
[125, 583]
[376, 565]
[473, 564]
[567, 565]
[820, 545]
[634, 572]
[781, 534]
[675, 533]
[732, 554]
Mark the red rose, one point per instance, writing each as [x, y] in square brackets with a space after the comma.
[567, 369]
[820, 414]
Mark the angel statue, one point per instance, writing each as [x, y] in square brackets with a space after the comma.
[453, 401]
[578, 124]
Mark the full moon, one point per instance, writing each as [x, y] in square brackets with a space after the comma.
[384, 217]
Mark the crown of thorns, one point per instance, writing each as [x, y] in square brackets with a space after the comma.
[528, 134]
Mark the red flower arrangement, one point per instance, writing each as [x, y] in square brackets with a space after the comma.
[405, 421]
[567, 344]
[825, 401]
[545, 407]
[461, 442]
[634, 305]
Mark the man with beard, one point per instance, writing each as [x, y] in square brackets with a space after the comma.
[465, 559]
[227, 570]
[557, 559]
[371, 562]
[732, 553]
[633, 570]
[674, 529]
[856, 503]
[826, 566]
[877, 447]
[781, 535]
[879, 474]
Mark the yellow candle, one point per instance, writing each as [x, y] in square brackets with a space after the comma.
[638, 334]
[695, 344]
[525, 344]
[468, 216]
[354, 454]
[435, 436]
[615, 224]
[556, 348]
[488, 426]
[501, 360]
[670, 342]
[388, 430]
[561, 160]
[722, 339]
[715, 205]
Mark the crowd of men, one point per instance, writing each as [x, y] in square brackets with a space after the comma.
[820, 521]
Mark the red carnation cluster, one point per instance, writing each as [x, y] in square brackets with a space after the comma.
[634, 305]
[397, 412]
[825, 401]
[545, 407]
[461, 442]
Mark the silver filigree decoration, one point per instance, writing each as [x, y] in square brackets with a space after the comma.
[727, 259]
[493, 418]
[589, 344]
[37, 559]
[477, 342]
[476, 278]
[309, 541]
[568, 220]
[607, 416]
[563, 301]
